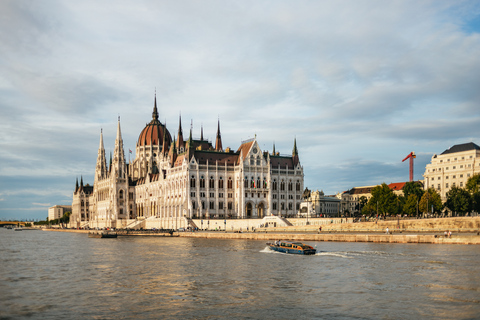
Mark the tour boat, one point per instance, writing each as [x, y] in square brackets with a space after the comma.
[291, 247]
[102, 234]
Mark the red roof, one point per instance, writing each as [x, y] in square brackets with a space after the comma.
[396, 186]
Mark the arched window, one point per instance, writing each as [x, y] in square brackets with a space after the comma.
[274, 206]
[192, 182]
[202, 182]
[258, 161]
[258, 185]
[211, 184]
[120, 194]
[245, 182]
[298, 185]
[252, 183]
[290, 186]
[220, 183]
[282, 206]
[290, 206]
[229, 183]
[274, 185]
[282, 186]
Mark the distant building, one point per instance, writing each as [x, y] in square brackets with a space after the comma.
[57, 212]
[317, 204]
[452, 168]
[350, 200]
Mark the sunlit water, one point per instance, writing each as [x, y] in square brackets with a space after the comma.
[56, 275]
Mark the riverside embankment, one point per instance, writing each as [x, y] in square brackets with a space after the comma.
[333, 237]
[340, 237]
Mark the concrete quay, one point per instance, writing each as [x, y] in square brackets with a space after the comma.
[340, 237]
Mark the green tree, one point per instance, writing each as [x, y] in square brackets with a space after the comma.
[383, 199]
[476, 202]
[413, 187]
[430, 198]
[458, 201]
[410, 207]
[473, 184]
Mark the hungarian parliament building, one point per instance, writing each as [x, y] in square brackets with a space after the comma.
[172, 183]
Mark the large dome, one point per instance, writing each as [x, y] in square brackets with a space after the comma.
[154, 132]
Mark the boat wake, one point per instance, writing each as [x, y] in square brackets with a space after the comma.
[268, 250]
[334, 254]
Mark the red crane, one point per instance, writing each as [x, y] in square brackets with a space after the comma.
[412, 156]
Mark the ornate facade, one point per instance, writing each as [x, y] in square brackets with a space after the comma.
[172, 181]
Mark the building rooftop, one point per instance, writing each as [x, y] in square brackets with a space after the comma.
[461, 147]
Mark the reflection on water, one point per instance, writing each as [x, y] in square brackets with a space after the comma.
[50, 275]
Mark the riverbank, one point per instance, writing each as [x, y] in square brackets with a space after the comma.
[342, 237]
[332, 237]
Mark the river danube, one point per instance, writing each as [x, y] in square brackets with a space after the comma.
[57, 275]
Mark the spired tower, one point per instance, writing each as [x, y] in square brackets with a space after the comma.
[119, 179]
[101, 168]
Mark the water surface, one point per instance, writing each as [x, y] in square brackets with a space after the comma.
[52, 275]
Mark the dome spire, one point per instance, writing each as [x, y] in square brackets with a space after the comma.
[155, 110]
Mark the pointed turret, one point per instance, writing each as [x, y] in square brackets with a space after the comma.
[190, 139]
[180, 142]
[218, 140]
[295, 153]
[273, 152]
[76, 185]
[101, 168]
[81, 183]
[119, 154]
[201, 133]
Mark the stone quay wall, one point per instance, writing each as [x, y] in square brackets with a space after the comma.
[378, 238]
[455, 225]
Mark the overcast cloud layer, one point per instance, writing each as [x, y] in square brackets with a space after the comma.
[360, 84]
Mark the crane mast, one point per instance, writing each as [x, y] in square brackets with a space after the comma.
[412, 156]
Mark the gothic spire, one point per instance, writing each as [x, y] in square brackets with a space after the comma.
[218, 140]
[295, 157]
[101, 168]
[119, 154]
[190, 139]
[274, 153]
[180, 142]
[155, 111]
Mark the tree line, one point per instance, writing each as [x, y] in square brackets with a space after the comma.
[415, 200]
[64, 219]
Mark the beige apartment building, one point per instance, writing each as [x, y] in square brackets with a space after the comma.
[57, 212]
[452, 168]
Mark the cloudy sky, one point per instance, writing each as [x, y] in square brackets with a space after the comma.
[360, 84]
